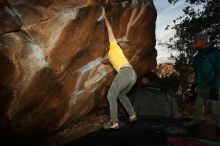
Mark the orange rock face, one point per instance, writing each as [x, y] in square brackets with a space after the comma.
[50, 57]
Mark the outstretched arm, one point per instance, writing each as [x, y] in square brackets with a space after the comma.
[110, 32]
[111, 38]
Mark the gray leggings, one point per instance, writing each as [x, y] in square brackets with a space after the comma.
[201, 99]
[120, 86]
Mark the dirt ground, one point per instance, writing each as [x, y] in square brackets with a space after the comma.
[96, 119]
[77, 129]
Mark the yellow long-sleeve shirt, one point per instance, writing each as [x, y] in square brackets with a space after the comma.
[116, 56]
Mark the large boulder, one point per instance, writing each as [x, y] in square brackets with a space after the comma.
[50, 57]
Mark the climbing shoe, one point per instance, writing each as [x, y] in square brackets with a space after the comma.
[133, 118]
[111, 125]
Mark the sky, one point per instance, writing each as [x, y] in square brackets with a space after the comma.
[166, 13]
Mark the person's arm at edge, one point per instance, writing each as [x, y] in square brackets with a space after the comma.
[217, 70]
[105, 59]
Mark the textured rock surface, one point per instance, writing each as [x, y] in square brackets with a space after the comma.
[50, 54]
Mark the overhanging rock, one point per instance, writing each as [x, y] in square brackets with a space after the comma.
[50, 53]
